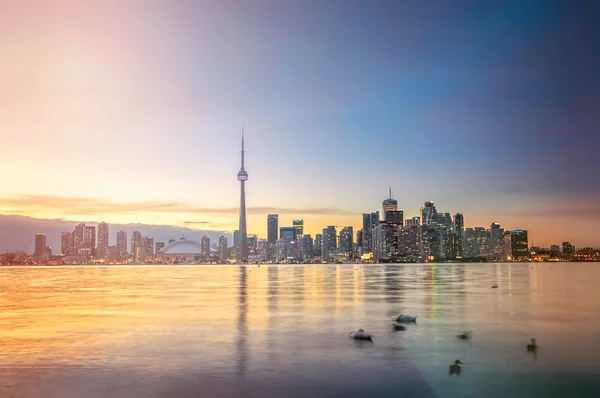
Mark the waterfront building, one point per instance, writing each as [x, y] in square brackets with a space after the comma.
[519, 244]
[555, 249]
[205, 243]
[280, 249]
[318, 245]
[148, 248]
[496, 244]
[299, 225]
[252, 244]
[459, 229]
[122, 245]
[568, 249]
[307, 247]
[347, 241]
[367, 231]
[181, 250]
[242, 177]
[102, 240]
[89, 241]
[40, 245]
[329, 245]
[136, 246]
[66, 243]
[158, 246]
[383, 240]
[261, 250]
[272, 228]
[409, 242]
[78, 238]
[223, 248]
[506, 250]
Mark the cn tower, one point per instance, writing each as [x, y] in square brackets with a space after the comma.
[242, 176]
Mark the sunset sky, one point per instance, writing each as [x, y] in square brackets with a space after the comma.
[131, 111]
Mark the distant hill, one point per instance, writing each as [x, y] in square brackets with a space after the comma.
[18, 232]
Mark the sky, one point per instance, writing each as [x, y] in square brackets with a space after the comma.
[131, 112]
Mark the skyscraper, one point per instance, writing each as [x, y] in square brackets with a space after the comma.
[40, 244]
[272, 228]
[329, 242]
[89, 240]
[205, 246]
[496, 243]
[306, 249]
[388, 205]
[299, 225]
[428, 213]
[122, 245]
[136, 246]
[223, 248]
[242, 177]
[459, 230]
[78, 238]
[148, 248]
[519, 244]
[66, 243]
[347, 241]
[318, 245]
[102, 240]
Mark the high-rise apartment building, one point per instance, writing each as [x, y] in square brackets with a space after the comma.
[383, 241]
[223, 255]
[318, 245]
[306, 249]
[40, 245]
[205, 246]
[496, 243]
[329, 244]
[568, 249]
[122, 245]
[78, 239]
[428, 213]
[136, 246]
[272, 228]
[102, 240]
[89, 240]
[409, 242]
[299, 225]
[347, 241]
[148, 248]
[66, 243]
[459, 230]
[519, 244]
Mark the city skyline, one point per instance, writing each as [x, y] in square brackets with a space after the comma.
[490, 110]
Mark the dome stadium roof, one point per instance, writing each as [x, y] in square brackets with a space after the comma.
[181, 247]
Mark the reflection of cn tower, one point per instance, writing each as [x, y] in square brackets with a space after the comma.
[242, 176]
[242, 354]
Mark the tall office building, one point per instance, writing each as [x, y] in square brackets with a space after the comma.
[299, 225]
[318, 245]
[205, 246]
[409, 242]
[383, 241]
[148, 248]
[347, 241]
[66, 243]
[519, 244]
[428, 213]
[102, 240]
[40, 244]
[272, 228]
[329, 245]
[367, 227]
[158, 246]
[287, 237]
[568, 249]
[242, 177]
[459, 230]
[306, 249]
[394, 217]
[223, 248]
[122, 245]
[78, 238]
[136, 246]
[496, 243]
[89, 240]
[388, 205]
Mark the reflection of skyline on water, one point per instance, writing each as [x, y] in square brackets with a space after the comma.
[291, 322]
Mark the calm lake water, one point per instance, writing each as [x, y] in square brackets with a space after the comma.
[275, 331]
